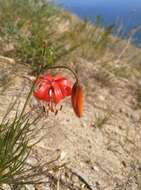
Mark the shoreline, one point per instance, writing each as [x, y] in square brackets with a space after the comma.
[124, 36]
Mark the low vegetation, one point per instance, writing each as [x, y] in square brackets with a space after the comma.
[30, 32]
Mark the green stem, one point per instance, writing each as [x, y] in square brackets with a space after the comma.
[26, 102]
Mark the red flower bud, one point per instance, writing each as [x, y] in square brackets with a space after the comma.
[77, 99]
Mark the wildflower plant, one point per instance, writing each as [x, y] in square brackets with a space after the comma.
[16, 132]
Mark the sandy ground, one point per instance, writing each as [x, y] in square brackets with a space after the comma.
[103, 147]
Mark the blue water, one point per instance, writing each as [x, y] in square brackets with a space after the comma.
[124, 12]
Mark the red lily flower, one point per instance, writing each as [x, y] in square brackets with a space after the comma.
[52, 89]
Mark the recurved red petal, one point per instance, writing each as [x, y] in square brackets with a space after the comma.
[58, 77]
[42, 92]
[65, 85]
[47, 77]
[57, 93]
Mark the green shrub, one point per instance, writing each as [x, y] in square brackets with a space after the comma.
[26, 25]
